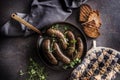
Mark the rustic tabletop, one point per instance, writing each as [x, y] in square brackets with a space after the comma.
[15, 51]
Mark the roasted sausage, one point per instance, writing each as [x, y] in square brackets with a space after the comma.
[79, 48]
[48, 53]
[60, 55]
[71, 43]
[59, 35]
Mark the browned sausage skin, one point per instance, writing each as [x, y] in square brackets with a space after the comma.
[48, 53]
[72, 42]
[79, 48]
[60, 55]
[59, 35]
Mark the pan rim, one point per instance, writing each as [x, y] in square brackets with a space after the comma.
[83, 39]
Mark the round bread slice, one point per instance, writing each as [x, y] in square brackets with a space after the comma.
[94, 15]
[91, 31]
[89, 24]
[85, 10]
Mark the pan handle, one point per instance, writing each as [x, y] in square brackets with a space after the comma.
[94, 44]
[19, 19]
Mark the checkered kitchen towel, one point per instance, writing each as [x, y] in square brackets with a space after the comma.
[100, 63]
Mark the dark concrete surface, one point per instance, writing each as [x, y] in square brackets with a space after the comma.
[15, 51]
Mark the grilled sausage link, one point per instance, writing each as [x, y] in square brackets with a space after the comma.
[59, 35]
[60, 55]
[48, 54]
[71, 41]
[79, 48]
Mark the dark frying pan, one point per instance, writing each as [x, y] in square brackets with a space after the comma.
[43, 35]
[72, 28]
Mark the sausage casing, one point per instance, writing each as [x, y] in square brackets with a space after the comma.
[79, 48]
[48, 53]
[59, 35]
[60, 55]
[71, 41]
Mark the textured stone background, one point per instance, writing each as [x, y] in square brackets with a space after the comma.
[15, 51]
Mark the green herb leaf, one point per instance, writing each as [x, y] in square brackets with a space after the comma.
[65, 28]
[21, 73]
[65, 67]
[72, 63]
[35, 72]
[73, 41]
[57, 25]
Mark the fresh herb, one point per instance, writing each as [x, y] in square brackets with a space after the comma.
[73, 41]
[53, 35]
[71, 48]
[51, 46]
[65, 67]
[35, 72]
[76, 51]
[65, 33]
[72, 63]
[49, 50]
[65, 28]
[21, 73]
[65, 36]
[55, 26]
[61, 40]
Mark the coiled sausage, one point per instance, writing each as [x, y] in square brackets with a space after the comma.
[79, 48]
[59, 35]
[48, 53]
[72, 42]
[60, 55]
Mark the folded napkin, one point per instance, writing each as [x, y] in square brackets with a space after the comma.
[100, 63]
[43, 13]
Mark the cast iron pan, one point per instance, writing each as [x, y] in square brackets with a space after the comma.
[62, 25]
[77, 32]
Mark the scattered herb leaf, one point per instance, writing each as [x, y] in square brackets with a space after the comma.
[73, 41]
[55, 26]
[35, 72]
[72, 63]
[21, 73]
[65, 28]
